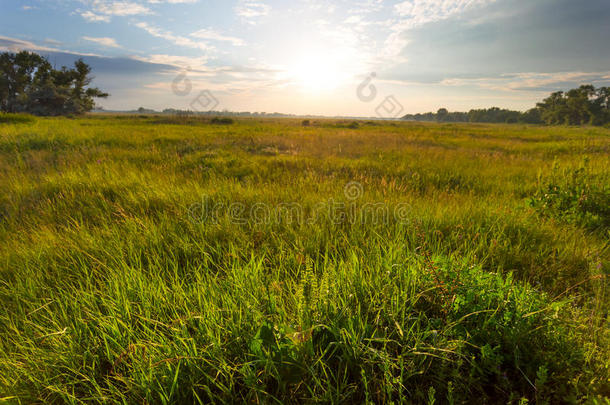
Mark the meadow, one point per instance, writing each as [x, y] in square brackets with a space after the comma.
[158, 259]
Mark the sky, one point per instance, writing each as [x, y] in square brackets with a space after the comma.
[324, 57]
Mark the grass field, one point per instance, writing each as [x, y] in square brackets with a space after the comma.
[172, 260]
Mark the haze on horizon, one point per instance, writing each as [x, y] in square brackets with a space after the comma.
[311, 56]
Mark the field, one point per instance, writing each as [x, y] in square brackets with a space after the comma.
[183, 260]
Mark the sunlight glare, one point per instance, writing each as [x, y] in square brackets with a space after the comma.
[319, 71]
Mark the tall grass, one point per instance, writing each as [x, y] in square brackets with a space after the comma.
[120, 284]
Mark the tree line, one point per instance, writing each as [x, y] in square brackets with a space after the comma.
[585, 105]
[29, 83]
[492, 115]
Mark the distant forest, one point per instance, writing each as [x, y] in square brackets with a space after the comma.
[585, 105]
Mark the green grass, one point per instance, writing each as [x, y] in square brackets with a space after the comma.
[15, 118]
[181, 260]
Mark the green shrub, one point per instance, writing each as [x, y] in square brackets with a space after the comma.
[222, 121]
[573, 195]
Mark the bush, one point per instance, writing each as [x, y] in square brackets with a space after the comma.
[574, 196]
[222, 121]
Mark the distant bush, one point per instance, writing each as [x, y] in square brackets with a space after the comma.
[573, 196]
[347, 124]
[306, 123]
[222, 120]
[15, 118]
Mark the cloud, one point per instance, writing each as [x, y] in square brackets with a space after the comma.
[176, 39]
[417, 12]
[252, 9]
[225, 79]
[545, 36]
[532, 81]
[104, 41]
[366, 6]
[321, 6]
[173, 1]
[120, 8]
[103, 10]
[17, 45]
[92, 17]
[197, 66]
[213, 35]
[52, 41]
[174, 62]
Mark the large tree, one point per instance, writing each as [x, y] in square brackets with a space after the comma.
[28, 83]
[584, 105]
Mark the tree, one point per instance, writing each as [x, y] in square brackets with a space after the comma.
[28, 83]
[584, 105]
[553, 108]
[441, 114]
[532, 116]
[18, 72]
[579, 106]
[600, 106]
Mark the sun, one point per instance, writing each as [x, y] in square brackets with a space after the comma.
[314, 74]
[318, 71]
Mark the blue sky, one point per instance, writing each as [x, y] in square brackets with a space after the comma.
[310, 56]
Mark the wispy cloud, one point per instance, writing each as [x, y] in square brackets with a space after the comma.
[16, 45]
[104, 41]
[92, 17]
[252, 9]
[531, 81]
[103, 10]
[176, 39]
[120, 8]
[52, 41]
[197, 64]
[216, 36]
[418, 12]
[366, 6]
[173, 1]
